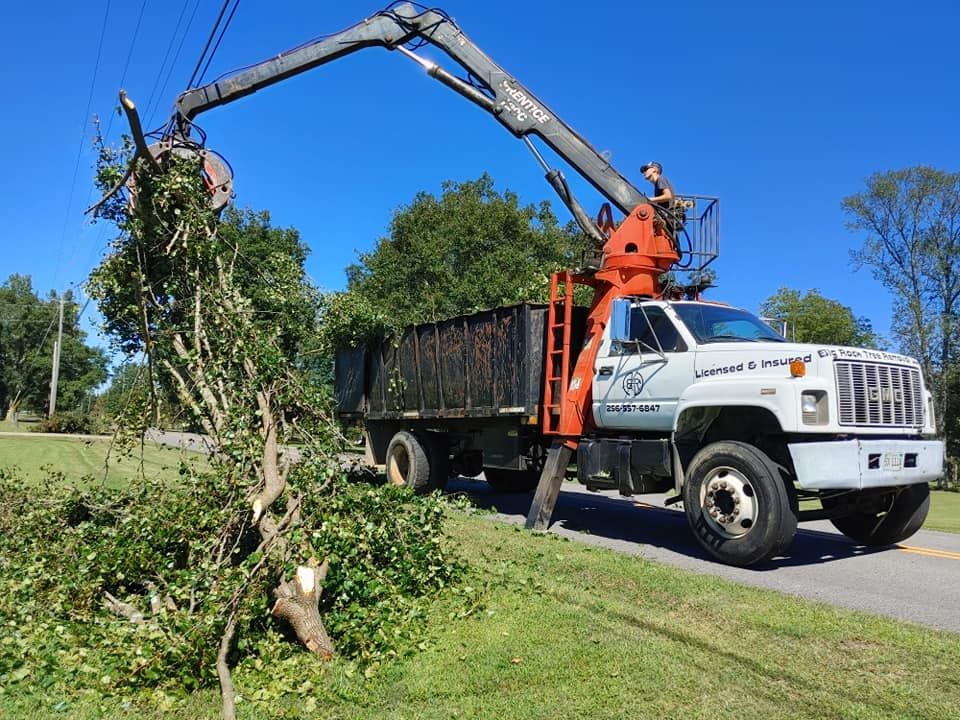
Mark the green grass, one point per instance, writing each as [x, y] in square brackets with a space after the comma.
[944, 511]
[34, 457]
[564, 630]
[21, 426]
[594, 634]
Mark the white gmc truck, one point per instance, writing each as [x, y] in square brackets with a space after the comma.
[760, 432]
[750, 432]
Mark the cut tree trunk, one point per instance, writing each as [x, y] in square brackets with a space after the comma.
[13, 407]
[298, 604]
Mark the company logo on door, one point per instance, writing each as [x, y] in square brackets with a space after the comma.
[633, 384]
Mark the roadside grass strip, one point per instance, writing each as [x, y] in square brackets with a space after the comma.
[36, 457]
[944, 512]
[545, 628]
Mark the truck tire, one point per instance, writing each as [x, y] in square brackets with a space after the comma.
[408, 462]
[438, 455]
[511, 481]
[899, 517]
[737, 504]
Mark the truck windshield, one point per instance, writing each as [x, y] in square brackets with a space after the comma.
[715, 323]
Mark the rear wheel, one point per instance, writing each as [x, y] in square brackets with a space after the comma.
[519, 481]
[416, 462]
[438, 453]
[511, 481]
[893, 517]
[737, 504]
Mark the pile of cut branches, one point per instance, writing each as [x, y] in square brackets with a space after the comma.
[195, 574]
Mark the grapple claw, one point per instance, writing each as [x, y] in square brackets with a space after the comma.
[215, 171]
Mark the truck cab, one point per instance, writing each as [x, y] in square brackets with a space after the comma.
[744, 426]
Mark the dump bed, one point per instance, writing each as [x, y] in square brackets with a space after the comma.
[486, 364]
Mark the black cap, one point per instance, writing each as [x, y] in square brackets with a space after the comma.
[651, 164]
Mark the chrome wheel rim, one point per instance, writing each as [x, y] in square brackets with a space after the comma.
[728, 502]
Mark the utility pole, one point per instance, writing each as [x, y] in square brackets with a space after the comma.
[55, 373]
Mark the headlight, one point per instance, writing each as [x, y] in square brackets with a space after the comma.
[814, 407]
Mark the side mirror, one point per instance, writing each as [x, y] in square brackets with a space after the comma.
[620, 320]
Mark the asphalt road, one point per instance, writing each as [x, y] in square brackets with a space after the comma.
[918, 580]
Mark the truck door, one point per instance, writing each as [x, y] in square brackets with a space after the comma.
[637, 383]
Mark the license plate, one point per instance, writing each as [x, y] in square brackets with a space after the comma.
[893, 461]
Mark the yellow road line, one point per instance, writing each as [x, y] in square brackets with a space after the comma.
[930, 552]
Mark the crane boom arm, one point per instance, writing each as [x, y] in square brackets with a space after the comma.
[515, 107]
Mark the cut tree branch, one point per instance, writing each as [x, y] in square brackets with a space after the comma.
[122, 609]
[227, 692]
[298, 603]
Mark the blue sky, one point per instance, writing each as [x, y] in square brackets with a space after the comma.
[780, 109]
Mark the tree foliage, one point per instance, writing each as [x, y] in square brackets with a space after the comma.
[155, 549]
[259, 258]
[812, 318]
[128, 384]
[471, 248]
[220, 309]
[28, 329]
[911, 222]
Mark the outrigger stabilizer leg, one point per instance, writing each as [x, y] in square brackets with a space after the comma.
[554, 469]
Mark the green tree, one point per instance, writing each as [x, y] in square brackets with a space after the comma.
[260, 258]
[911, 222]
[128, 382]
[812, 318]
[215, 324]
[220, 308]
[468, 249]
[130, 392]
[27, 333]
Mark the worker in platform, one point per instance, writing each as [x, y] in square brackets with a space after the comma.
[663, 193]
[671, 217]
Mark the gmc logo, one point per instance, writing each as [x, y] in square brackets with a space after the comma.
[875, 394]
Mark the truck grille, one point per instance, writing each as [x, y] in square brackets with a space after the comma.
[879, 395]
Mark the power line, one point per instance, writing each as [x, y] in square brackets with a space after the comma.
[206, 47]
[82, 310]
[43, 339]
[166, 80]
[83, 124]
[219, 39]
[123, 76]
[166, 56]
[126, 65]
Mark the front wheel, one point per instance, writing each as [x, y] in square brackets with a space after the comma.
[894, 517]
[737, 504]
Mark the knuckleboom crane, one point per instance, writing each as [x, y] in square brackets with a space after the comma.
[635, 253]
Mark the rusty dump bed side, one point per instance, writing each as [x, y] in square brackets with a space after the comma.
[488, 364]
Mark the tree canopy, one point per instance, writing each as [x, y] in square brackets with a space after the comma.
[812, 318]
[910, 221]
[222, 310]
[262, 259]
[471, 248]
[28, 329]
